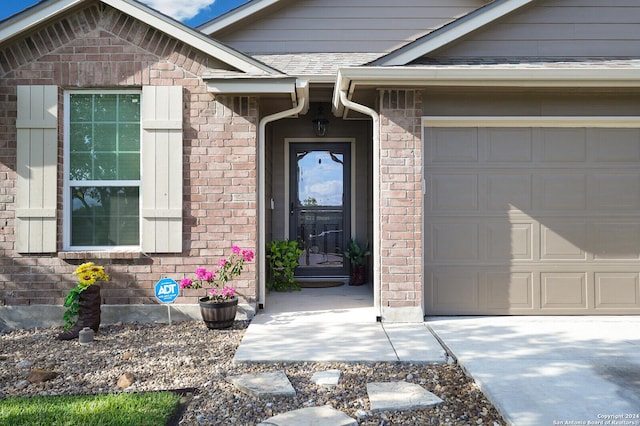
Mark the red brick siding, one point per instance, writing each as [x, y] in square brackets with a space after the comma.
[401, 198]
[97, 47]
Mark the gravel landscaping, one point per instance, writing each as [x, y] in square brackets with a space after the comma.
[189, 356]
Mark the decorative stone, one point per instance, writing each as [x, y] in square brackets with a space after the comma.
[125, 380]
[85, 336]
[24, 364]
[262, 385]
[316, 416]
[385, 396]
[326, 378]
[38, 375]
[127, 356]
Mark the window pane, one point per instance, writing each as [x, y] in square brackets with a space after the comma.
[129, 137]
[105, 166]
[129, 108]
[81, 108]
[127, 166]
[105, 216]
[105, 107]
[103, 128]
[105, 137]
[81, 167]
[80, 137]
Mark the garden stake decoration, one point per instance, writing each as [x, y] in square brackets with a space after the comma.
[83, 301]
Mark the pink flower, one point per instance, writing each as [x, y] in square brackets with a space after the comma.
[200, 273]
[247, 255]
[217, 279]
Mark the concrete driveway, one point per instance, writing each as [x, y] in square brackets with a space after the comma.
[551, 370]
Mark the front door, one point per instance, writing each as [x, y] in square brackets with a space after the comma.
[319, 206]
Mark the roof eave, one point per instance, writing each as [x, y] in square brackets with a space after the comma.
[351, 78]
[255, 86]
[451, 32]
[235, 15]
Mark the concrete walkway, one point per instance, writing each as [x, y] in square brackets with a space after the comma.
[537, 371]
[551, 370]
[298, 326]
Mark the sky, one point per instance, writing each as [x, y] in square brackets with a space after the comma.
[191, 12]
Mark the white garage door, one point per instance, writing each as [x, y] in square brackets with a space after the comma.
[531, 218]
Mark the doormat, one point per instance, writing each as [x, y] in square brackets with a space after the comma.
[320, 284]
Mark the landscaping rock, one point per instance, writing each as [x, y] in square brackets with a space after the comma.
[125, 380]
[38, 375]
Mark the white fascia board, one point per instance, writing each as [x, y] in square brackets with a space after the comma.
[192, 38]
[32, 17]
[350, 78]
[491, 76]
[234, 16]
[251, 86]
[451, 33]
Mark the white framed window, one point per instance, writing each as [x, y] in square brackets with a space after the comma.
[102, 170]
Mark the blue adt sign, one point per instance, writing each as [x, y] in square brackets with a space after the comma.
[167, 290]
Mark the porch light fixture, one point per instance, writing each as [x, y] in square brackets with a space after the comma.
[320, 124]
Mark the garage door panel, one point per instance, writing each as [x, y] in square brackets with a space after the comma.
[509, 192]
[509, 145]
[458, 291]
[532, 220]
[510, 290]
[618, 192]
[564, 290]
[616, 145]
[564, 145]
[615, 241]
[454, 192]
[563, 240]
[452, 145]
[509, 241]
[561, 192]
[617, 290]
[454, 242]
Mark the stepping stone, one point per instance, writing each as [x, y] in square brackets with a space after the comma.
[391, 396]
[326, 378]
[311, 416]
[263, 385]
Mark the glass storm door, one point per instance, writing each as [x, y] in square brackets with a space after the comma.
[319, 206]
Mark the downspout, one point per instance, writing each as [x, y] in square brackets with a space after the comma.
[377, 288]
[302, 97]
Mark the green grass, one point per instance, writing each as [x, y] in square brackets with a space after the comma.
[148, 409]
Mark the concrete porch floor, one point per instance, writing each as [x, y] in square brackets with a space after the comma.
[333, 324]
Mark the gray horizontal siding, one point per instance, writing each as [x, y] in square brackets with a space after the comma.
[344, 25]
[565, 28]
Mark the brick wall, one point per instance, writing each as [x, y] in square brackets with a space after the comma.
[401, 198]
[97, 47]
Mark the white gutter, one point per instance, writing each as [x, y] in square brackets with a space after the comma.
[377, 288]
[302, 93]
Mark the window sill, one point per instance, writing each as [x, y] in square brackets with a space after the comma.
[107, 255]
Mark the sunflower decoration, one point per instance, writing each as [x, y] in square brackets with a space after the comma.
[88, 274]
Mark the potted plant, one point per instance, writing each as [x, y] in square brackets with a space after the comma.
[219, 307]
[284, 258]
[83, 301]
[357, 256]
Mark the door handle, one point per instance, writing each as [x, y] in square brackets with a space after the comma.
[291, 210]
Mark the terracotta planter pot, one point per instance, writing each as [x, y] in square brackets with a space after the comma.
[217, 315]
